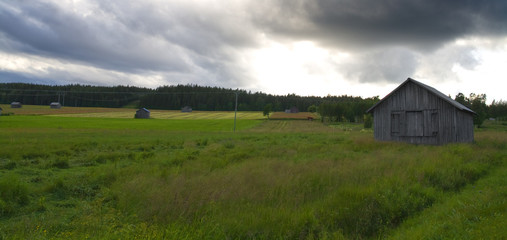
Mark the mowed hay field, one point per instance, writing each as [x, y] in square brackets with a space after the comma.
[125, 178]
[126, 113]
[46, 110]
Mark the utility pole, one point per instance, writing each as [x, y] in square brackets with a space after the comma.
[235, 111]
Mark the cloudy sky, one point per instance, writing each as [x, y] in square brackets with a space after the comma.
[308, 47]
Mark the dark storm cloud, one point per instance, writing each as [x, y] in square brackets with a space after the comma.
[204, 30]
[392, 65]
[129, 36]
[365, 24]
[208, 42]
[375, 31]
[47, 30]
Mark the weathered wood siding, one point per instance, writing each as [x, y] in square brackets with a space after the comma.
[141, 113]
[415, 115]
[465, 129]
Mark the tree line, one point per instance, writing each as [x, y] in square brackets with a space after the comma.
[177, 96]
[74, 95]
[347, 110]
[477, 103]
[174, 97]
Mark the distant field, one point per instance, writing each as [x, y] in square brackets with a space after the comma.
[45, 110]
[172, 114]
[126, 113]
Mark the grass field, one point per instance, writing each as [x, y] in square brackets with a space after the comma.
[124, 178]
[171, 114]
[125, 113]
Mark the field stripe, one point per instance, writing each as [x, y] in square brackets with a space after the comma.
[158, 114]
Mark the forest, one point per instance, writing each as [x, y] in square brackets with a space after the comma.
[174, 97]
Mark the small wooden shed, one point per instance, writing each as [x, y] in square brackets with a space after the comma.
[417, 113]
[16, 105]
[292, 110]
[186, 109]
[55, 105]
[142, 113]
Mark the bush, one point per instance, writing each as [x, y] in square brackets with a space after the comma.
[312, 109]
[368, 121]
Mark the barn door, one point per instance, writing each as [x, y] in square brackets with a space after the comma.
[415, 123]
[431, 123]
[397, 123]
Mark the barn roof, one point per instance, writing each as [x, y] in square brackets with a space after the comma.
[430, 89]
[143, 109]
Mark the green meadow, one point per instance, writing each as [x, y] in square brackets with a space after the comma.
[86, 177]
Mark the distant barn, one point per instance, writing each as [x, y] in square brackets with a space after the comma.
[292, 110]
[417, 113]
[186, 109]
[142, 113]
[16, 105]
[55, 105]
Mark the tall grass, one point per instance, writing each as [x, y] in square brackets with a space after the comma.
[280, 180]
[478, 211]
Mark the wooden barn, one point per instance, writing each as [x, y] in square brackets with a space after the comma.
[292, 110]
[16, 105]
[55, 105]
[417, 113]
[142, 113]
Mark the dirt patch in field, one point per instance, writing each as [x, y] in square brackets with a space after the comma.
[299, 116]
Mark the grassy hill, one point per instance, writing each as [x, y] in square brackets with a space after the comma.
[113, 178]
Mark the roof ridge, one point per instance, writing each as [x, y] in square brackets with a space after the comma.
[429, 88]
